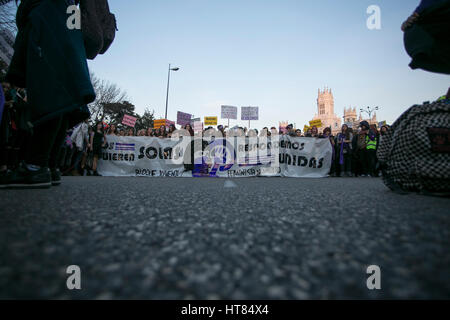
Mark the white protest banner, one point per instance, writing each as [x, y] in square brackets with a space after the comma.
[305, 157]
[231, 158]
[129, 120]
[249, 113]
[229, 112]
[139, 156]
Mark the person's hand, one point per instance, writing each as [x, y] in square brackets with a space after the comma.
[410, 21]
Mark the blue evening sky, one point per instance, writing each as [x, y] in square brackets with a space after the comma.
[274, 54]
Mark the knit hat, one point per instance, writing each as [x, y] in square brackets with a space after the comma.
[364, 124]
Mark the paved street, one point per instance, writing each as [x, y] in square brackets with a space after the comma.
[184, 238]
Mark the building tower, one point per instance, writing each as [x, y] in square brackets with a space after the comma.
[325, 102]
[350, 116]
[325, 111]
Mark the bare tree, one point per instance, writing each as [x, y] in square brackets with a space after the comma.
[107, 93]
[8, 9]
[146, 120]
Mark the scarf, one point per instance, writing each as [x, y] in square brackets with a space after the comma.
[343, 144]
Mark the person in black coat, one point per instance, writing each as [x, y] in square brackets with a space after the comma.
[426, 36]
[50, 62]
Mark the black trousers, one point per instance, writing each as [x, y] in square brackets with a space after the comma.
[47, 141]
[346, 167]
[359, 162]
[371, 158]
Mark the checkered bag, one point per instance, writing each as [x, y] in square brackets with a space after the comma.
[414, 154]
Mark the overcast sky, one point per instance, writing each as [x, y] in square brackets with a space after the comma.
[274, 54]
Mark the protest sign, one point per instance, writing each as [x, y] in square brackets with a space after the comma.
[249, 113]
[129, 120]
[210, 121]
[183, 118]
[197, 126]
[315, 123]
[162, 122]
[229, 112]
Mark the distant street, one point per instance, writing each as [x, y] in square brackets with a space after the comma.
[251, 238]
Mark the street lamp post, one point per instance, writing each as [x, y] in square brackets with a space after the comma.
[168, 83]
[369, 111]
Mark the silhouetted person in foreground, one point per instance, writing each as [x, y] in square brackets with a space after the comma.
[426, 38]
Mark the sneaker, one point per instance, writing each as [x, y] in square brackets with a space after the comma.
[97, 174]
[24, 178]
[56, 177]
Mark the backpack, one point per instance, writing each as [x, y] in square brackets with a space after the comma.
[98, 26]
[414, 154]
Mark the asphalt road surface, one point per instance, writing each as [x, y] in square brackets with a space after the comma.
[252, 238]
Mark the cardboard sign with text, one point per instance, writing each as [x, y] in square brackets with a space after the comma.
[250, 113]
[229, 112]
[162, 122]
[183, 118]
[210, 121]
[129, 120]
[315, 123]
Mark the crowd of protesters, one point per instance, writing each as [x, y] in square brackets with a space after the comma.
[354, 152]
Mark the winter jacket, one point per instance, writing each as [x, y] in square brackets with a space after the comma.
[50, 61]
[425, 4]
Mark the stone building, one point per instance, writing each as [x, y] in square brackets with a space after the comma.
[352, 120]
[325, 111]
